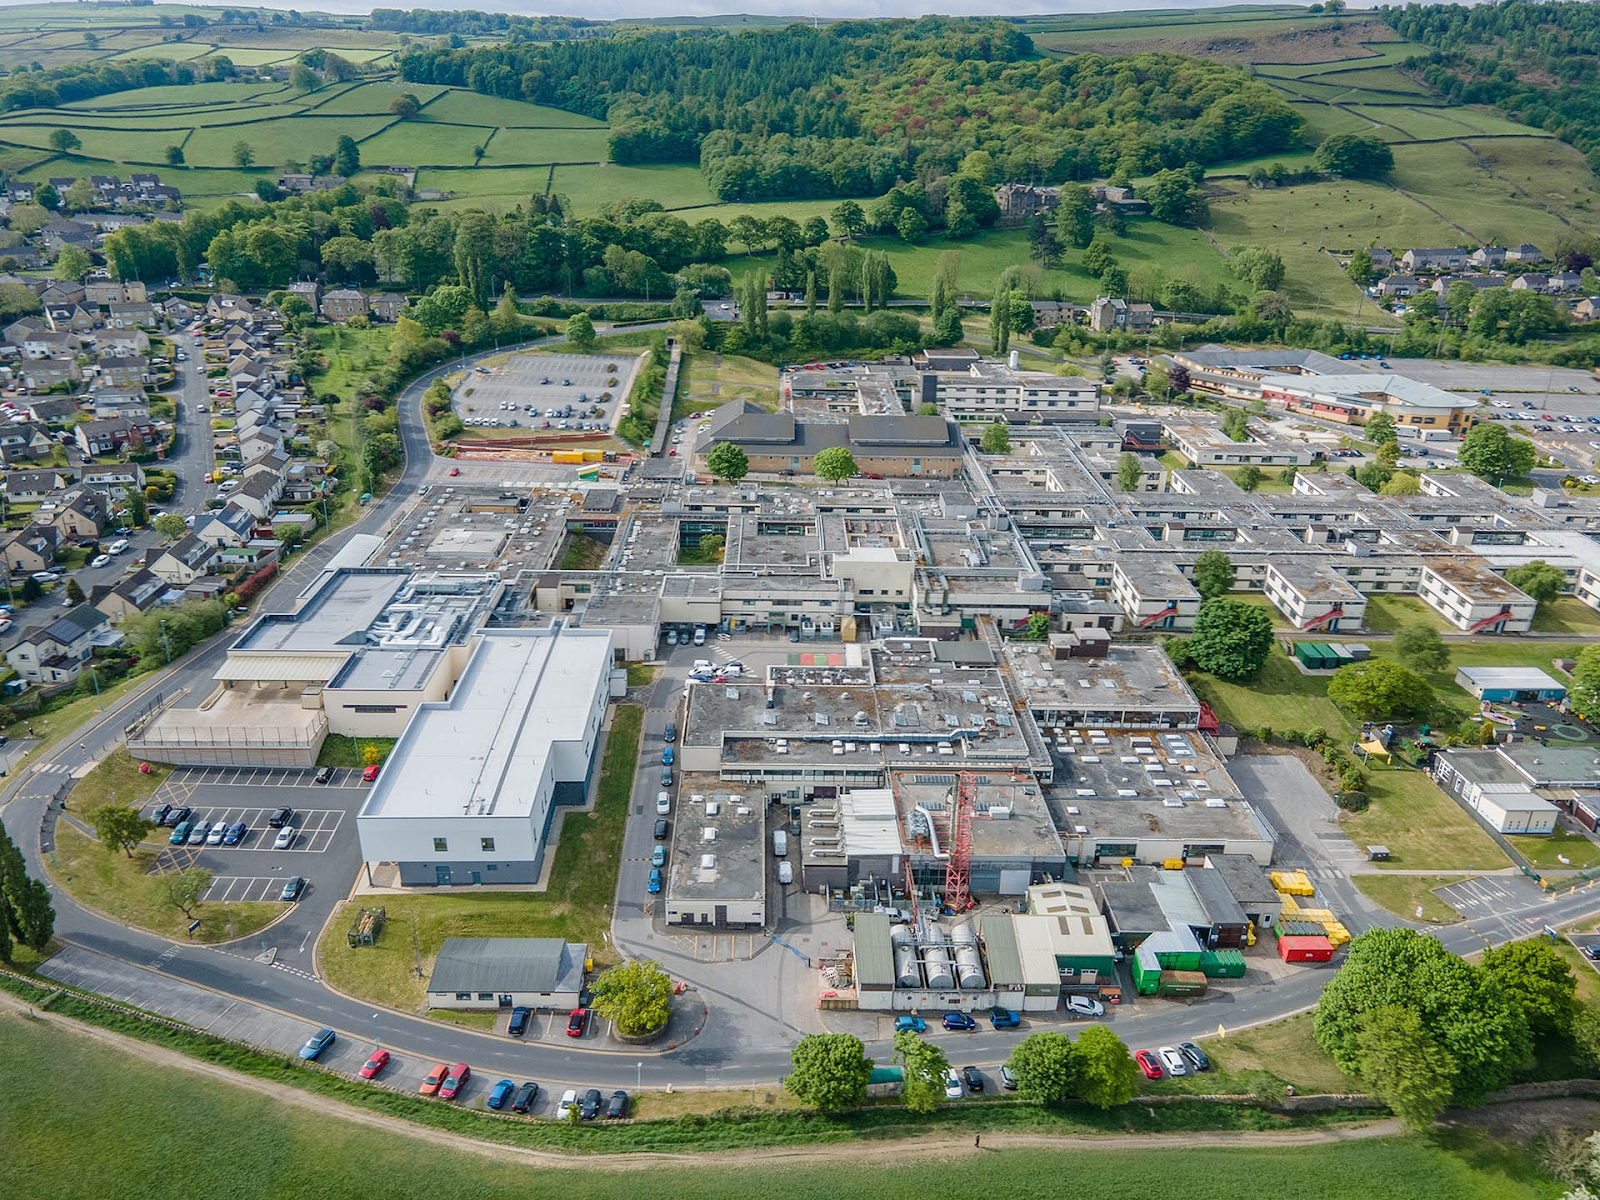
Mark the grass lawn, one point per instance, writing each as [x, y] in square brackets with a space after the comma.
[547, 146]
[1547, 852]
[640, 675]
[1386, 613]
[582, 553]
[576, 905]
[144, 1134]
[1280, 697]
[1283, 1051]
[1423, 828]
[339, 750]
[704, 385]
[116, 779]
[1401, 894]
[1272, 480]
[122, 888]
[277, 141]
[471, 108]
[1566, 614]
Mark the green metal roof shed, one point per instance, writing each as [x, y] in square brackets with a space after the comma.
[874, 952]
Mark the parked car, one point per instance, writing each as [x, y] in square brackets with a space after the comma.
[569, 1101]
[1085, 1006]
[293, 886]
[666, 777]
[670, 733]
[786, 872]
[100, 560]
[45, 576]
[577, 1022]
[909, 1023]
[959, 1020]
[499, 1094]
[198, 832]
[520, 1016]
[177, 816]
[370, 773]
[1194, 1056]
[158, 814]
[661, 830]
[374, 1066]
[317, 1043]
[235, 833]
[323, 775]
[1149, 1064]
[658, 856]
[522, 1099]
[434, 1080]
[455, 1081]
[180, 833]
[1003, 1018]
[1008, 1081]
[590, 1108]
[654, 885]
[973, 1079]
[953, 1088]
[218, 831]
[1173, 1062]
[666, 756]
[617, 1106]
[280, 817]
[285, 838]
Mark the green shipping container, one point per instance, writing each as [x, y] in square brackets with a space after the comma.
[1285, 929]
[1222, 964]
[1146, 972]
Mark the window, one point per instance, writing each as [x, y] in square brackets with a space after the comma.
[463, 995]
[440, 845]
[373, 708]
[485, 995]
[486, 845]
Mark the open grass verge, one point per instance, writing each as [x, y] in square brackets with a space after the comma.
[116, 779]
[122, 888]
[339, 750]
[1423, 828]
[1566, 614]
[576, 905]
[1547, 852]
[1404, 894]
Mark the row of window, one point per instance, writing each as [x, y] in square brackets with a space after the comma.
[442, 846]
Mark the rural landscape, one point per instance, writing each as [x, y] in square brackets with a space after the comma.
[763, 601]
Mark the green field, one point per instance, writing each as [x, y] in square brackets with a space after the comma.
[148, 1119]
[370, 99]
[469, 108]
[547, 146]
[277, 141]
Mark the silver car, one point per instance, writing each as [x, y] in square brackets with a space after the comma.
[285, 838]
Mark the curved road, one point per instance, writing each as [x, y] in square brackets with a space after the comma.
[718, 1056]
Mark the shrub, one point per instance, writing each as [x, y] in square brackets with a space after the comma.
[1355, 802]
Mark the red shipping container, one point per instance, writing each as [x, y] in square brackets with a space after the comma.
[1305, 949]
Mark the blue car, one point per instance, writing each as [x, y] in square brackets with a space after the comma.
[959, 1020]
[658, 857]
[671, 733]
[909, 1024]
[1003, 1018]
[500, 1093]
[655, 880]
[666, 756]
[317, 1043]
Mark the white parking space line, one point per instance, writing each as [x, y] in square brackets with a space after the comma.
[237, 889]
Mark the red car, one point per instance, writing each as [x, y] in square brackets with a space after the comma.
[430, 1085]
[454, 471]
[455, 1081]
[375, 1064]
[370, 773]
[1149, 1064]
[577, 1022]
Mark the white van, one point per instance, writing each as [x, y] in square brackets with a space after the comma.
[118, 546]
[780, 842]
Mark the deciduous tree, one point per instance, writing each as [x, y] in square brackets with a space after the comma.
[1213, 574]
[580, 331]
[1490, 452]
[728, 462]
[1045, 1066]
[1538, 579]
[1380, 690]
[1107, 1075]
[170, 526]
[181, 890]
[1403, 1065]
[1539, 982]
[1420, 647]
[923, 1065]
[636, 996]
[1130, 471]
[830, 1071]
[996, 438]
[1231, 639]
[119, 827]
[833, 464]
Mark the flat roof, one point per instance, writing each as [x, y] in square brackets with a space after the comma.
[483, 752]
[731, 864]
[1531, 678]
[1127, 678]
[335, 615]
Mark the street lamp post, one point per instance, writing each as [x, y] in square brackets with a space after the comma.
[638, 1079]
[376, 1044]
[166, 645]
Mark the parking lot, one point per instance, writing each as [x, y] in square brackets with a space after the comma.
[315, 829]
[556, 391]
[258, 777]
[1485, 895]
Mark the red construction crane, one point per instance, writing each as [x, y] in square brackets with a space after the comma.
[955, 874]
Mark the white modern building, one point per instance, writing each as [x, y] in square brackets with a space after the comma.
[468, 793]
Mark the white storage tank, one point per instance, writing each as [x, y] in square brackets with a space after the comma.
[969, 963]
[936, 959]
[907, 973]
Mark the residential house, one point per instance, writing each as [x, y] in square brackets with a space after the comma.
[176, 308]
[304, 480]
[1488, 256]
[113, 435]
[1525, 253]
[56, 410]
[130, 314]
[1048, 314]
[1452, 259]
[308, 290]
[1531, 282]
[50, 343]
[17, 332]
[58, 653]
[225, 305]
[129, 597]
[32, 487]
[388, 306]
[343, 303]
[122, 343]
[1019, 201]
[184, 561]
[258, 494]
[1565, 281]
[110, 291]
[1121, 199]
[1442, 285]
[227, 526]
[113, 476]
[1109, 313]
[40, 375]
[1398, 286]
[300, 183]
[1382, 260]
[20, 192]
[26, 438]
[62, 292]
[1586, 309]
[81, 515]
[61, 232]
[122, 371]
[118, 403]
[31, 549]
[72, 318]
